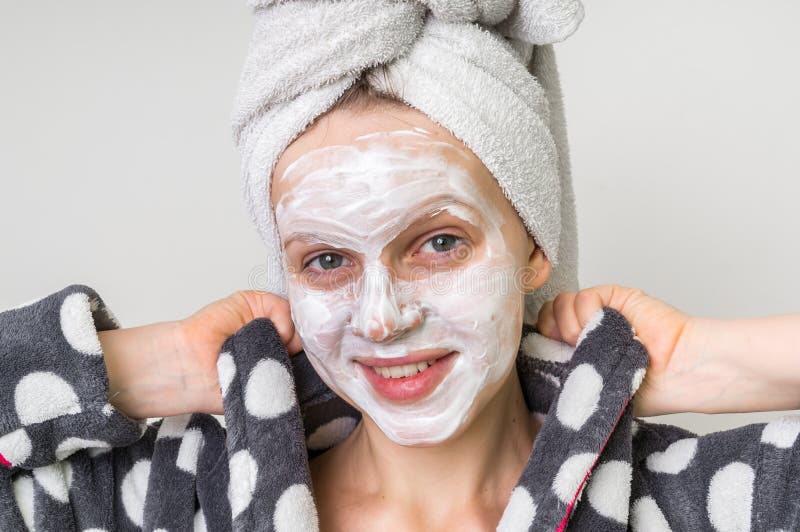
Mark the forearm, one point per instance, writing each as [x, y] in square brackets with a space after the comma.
[738, 365]
[145, 371]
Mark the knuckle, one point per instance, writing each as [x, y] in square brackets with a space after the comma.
[637, 292]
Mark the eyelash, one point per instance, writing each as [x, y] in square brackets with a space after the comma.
[458, 242]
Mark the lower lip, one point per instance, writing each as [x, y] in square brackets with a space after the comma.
[413, 388]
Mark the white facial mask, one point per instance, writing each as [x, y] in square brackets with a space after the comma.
[359, 198]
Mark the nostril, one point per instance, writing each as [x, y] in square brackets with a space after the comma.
[380, 331]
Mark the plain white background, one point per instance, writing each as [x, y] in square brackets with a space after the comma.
[119, 171]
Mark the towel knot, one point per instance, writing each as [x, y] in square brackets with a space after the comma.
[531, 21]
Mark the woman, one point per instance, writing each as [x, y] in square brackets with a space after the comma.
[408, 271]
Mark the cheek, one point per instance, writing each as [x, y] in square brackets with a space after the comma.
[483, 308]
[320, 319]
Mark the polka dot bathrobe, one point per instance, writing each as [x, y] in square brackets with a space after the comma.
[70, 461]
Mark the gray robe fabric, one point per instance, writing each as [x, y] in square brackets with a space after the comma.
[70, 461]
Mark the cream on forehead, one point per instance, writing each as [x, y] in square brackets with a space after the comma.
[376, 185]
[361, 197]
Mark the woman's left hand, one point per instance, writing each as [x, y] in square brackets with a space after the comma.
[658, 325]
[705, 365]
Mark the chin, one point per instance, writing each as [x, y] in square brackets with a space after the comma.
[442, 416]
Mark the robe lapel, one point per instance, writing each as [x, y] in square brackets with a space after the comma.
[585, 441]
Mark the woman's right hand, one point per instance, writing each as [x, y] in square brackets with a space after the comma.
[170, 368]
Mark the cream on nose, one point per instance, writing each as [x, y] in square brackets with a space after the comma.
[379, 316]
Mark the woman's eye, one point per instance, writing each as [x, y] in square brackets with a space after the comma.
[327, 261]
[441, 244]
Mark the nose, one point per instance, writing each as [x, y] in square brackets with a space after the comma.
[379, 316]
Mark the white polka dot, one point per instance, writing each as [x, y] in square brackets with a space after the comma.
[23, 493]
[200, 522]
[67, 470]
[634, 427]
[173, 426]
[55, 480]
[646, 516]
[16, 446]
[782, 432]
[609, 490]
[160, 530]
[134, 491]
[571, 474]
[97, 451]
[70, 445]
[189, 450]
[579, 396]
[591, 325]
[43, 395]
[549, 376]
[243, 478]
[108, 409]
[730, 497]
[331, 433]
[541, 347]
[226, 370]
[519, 512]
[636, 381]
[295, 510]
[674, 458]
[269, 391]
[77, 324]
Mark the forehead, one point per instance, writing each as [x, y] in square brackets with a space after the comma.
[390, 144]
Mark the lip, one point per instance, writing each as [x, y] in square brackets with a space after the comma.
[415, 387]
[423, 355]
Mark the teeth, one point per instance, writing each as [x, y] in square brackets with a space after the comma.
[406, 370]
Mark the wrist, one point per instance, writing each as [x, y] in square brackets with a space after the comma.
[692, 379]
[729, 366]
[144, 370]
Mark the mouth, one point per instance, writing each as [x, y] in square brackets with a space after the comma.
[408, 378]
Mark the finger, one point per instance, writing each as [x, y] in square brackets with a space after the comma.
[295, 345]
[546, 321]
[587, 302]
[616, 296]
[276, 309]
[282, 319]
[261, 304]
[566, 319]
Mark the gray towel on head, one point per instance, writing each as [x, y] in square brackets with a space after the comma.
[483, 69]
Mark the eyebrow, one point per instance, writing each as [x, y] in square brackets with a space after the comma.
[415, 215]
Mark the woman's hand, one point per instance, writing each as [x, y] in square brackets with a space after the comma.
[170, 368]
[705, 365]
[658, 325]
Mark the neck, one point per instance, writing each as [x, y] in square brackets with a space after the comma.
[477, 469]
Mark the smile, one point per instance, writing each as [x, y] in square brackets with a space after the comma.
[406, 370]
[408, 378]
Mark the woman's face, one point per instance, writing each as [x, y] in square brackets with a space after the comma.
[406, 269]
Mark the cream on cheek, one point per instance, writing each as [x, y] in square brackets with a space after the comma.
[361, 198]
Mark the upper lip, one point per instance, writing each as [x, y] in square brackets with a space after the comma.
[423, 355]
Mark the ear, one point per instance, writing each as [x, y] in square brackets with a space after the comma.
[539, 269]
